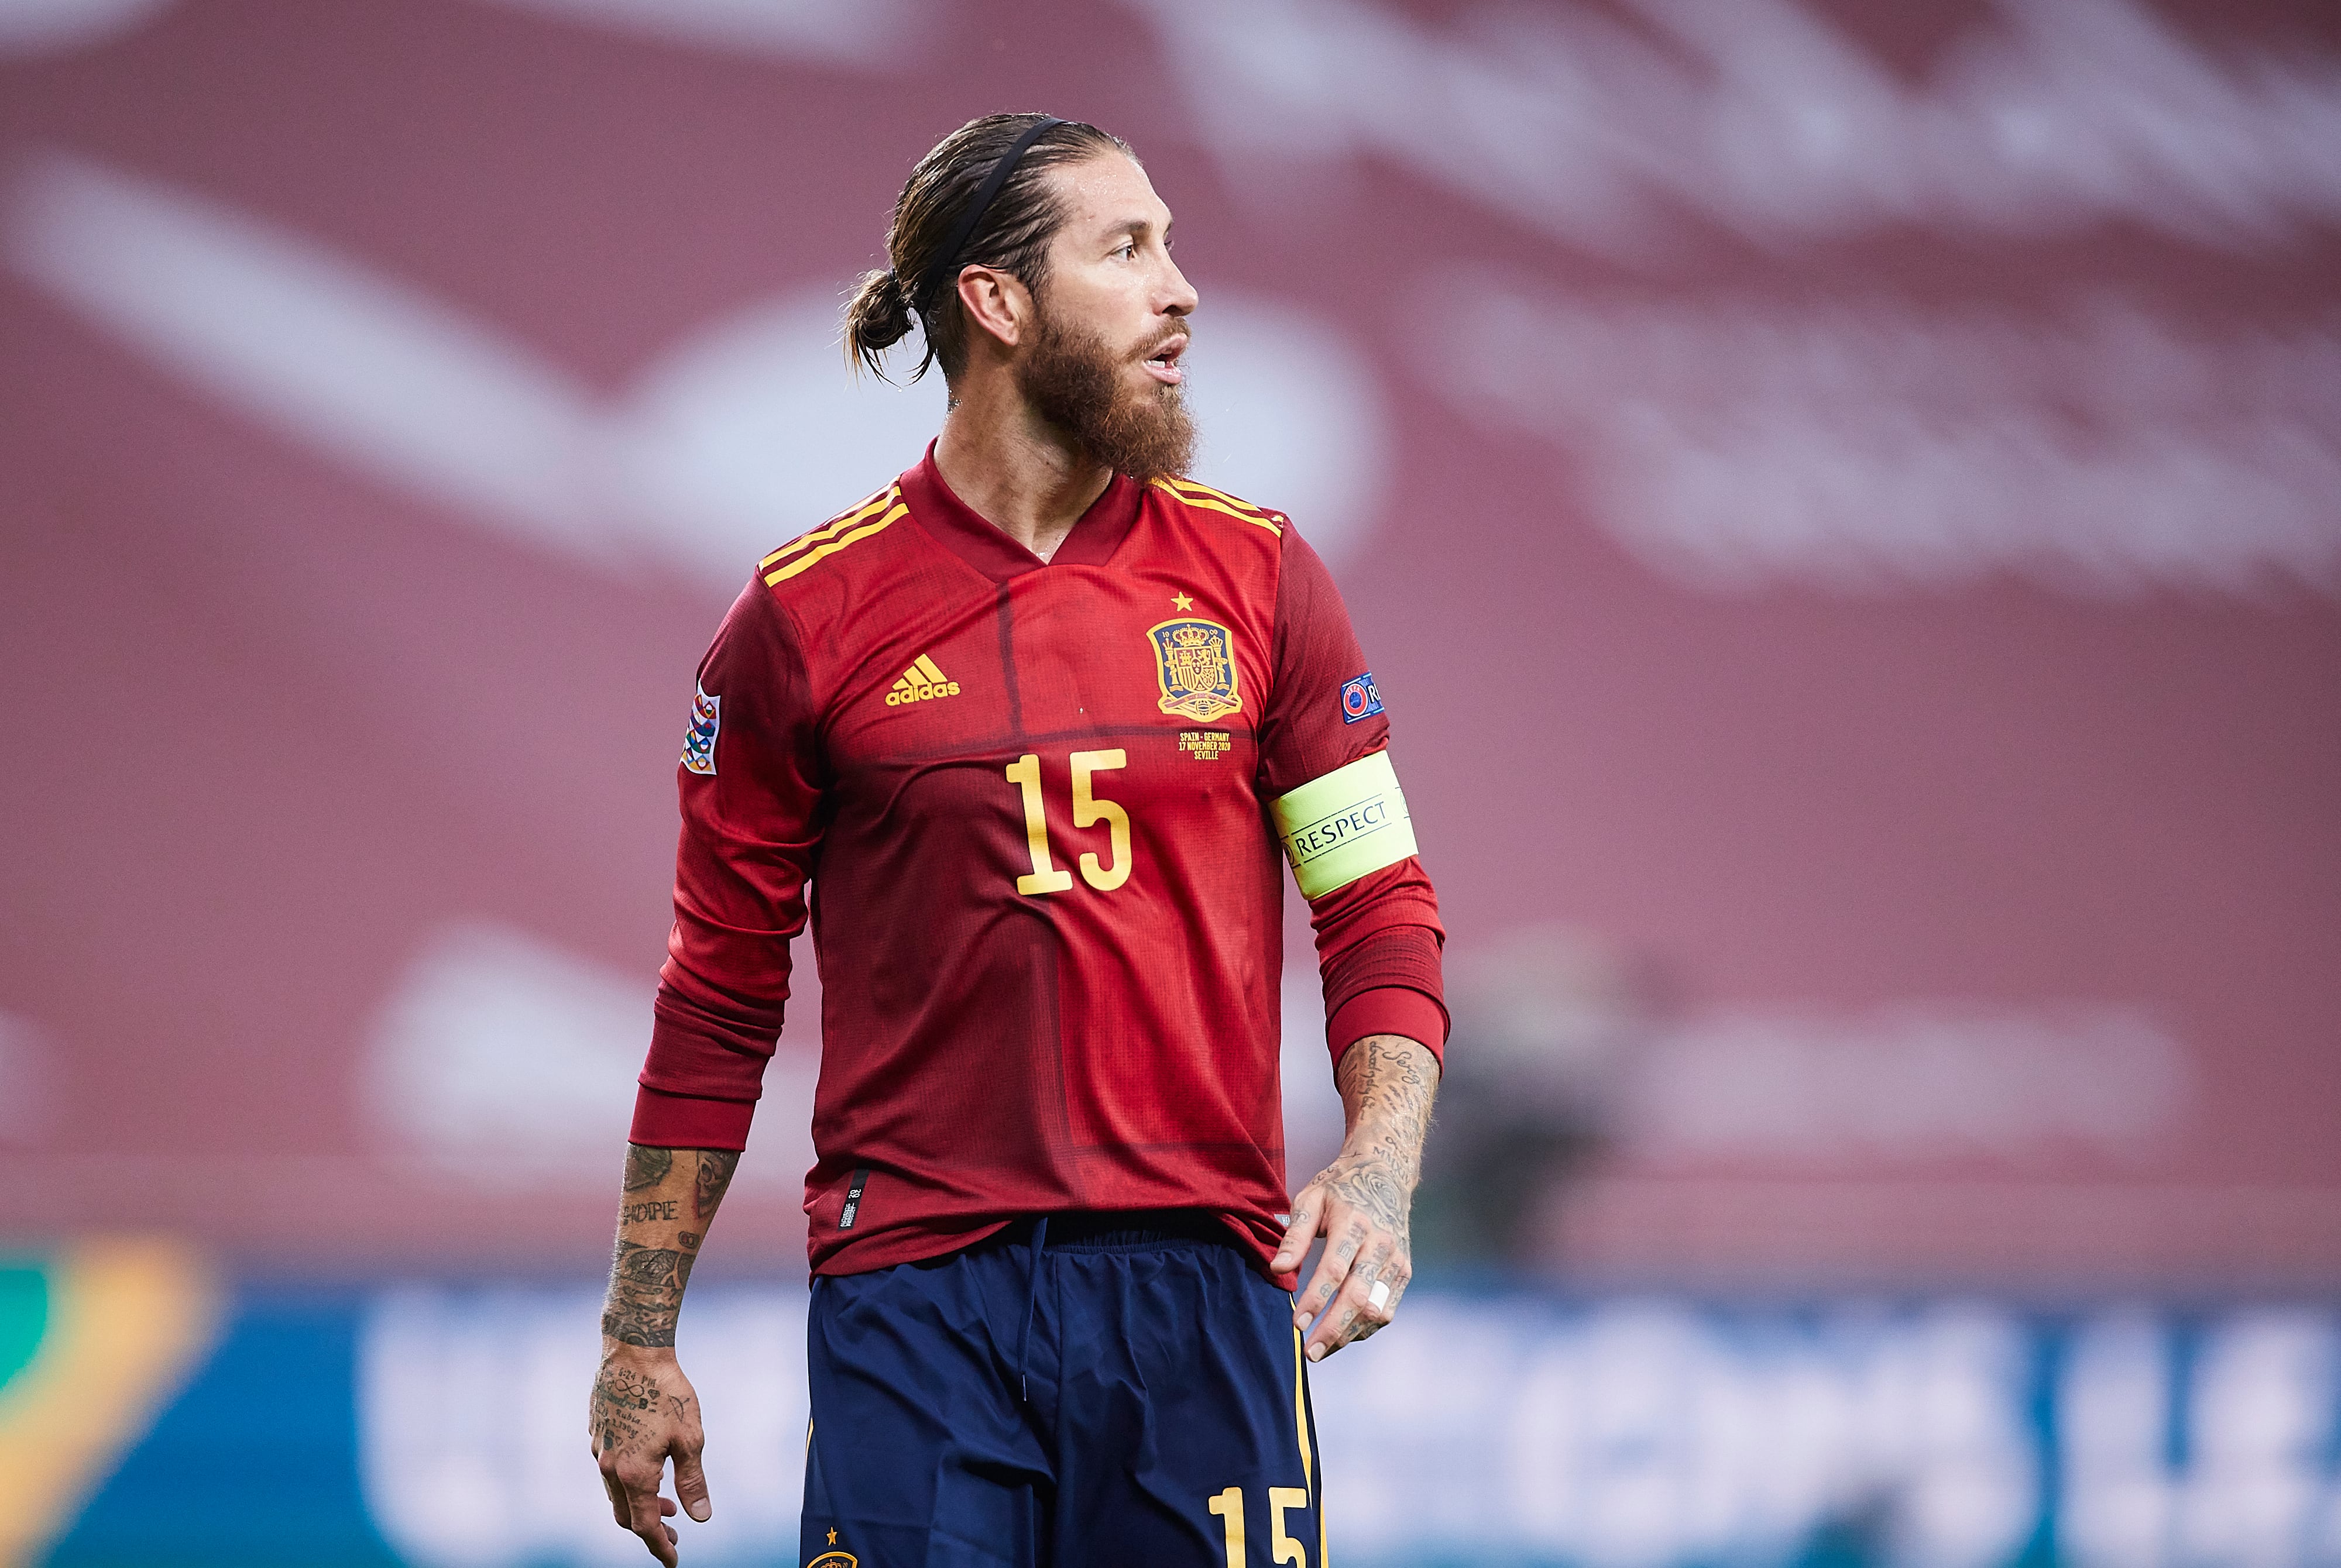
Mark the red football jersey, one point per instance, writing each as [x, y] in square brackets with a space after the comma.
[1029, 805]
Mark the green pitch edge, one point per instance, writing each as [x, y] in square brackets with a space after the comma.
[23, 1316]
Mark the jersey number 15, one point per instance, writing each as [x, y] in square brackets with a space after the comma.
[1089, 811]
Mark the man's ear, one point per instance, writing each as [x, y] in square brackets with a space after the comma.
[997, 303]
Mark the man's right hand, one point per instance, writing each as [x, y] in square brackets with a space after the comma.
[643, 1413]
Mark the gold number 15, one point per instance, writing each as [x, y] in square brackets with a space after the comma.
[1089, 811]
[1229, 1507]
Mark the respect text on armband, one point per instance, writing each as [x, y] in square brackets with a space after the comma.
[1346, 826]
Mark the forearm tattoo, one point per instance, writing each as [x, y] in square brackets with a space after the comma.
[1387, 1089]
[1384, 1080]
[1386, 1083]
[651, 1264]
[646, 1166]
[646, 1285]
[715, 1169]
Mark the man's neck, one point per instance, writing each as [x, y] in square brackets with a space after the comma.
[1016, 473]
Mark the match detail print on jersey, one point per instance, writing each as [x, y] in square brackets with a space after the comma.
[1345, 825]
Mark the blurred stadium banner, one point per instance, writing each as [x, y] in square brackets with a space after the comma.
[1841, 499]
[439, 1426]
[93, 1343]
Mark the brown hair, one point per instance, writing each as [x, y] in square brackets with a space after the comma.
[1013, 235]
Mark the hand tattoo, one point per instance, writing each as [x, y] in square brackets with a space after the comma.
[626, 1402]
[622, 1397]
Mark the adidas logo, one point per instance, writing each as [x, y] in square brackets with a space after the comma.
[921, 681]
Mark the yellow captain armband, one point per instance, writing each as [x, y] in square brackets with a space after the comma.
[1338, 828]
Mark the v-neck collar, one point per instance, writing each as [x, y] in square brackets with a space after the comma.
[962, 530]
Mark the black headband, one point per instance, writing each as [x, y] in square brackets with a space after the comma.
[964, 230]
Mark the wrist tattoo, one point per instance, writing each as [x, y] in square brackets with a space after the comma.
[646, 1286]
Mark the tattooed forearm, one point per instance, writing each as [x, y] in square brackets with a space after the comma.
[666, 1189]
[647, 1166]
[1387, 1082]
[715, 1169]
[646, 1286]
[1360, 1202]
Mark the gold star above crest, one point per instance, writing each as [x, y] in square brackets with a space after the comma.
[833, 1537]
[1180, 602]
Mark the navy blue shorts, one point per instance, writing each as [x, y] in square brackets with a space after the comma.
[1130, 1392]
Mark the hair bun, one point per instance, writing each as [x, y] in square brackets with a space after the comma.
[878, 316]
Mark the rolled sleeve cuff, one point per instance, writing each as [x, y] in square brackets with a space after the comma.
[663, 1120]
[1389, 1010]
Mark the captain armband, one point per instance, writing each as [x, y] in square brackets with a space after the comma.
[1340, 828]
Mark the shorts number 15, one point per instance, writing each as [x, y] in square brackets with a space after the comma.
[1229, 1507]
[1089, 811]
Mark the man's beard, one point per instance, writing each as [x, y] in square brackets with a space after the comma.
[1074, 380]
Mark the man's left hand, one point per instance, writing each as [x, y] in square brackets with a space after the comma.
[1359, 1203]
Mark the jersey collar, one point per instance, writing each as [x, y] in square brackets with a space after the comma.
[963, 530]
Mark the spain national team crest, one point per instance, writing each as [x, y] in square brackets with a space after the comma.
[1196, 663]
[699, 746]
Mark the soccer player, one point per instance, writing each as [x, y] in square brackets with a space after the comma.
[1021, 732]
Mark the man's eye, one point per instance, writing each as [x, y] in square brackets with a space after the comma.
[1128, 249]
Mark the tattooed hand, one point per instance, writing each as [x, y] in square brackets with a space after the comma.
[643, 1412]
[1359, 1203]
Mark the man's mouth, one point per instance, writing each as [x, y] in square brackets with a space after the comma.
[1163, 364]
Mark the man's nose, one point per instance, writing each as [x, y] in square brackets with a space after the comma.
[1181, 297]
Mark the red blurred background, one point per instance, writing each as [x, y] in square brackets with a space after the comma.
[1844, 504]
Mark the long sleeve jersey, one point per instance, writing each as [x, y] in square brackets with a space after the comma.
[1033, 813]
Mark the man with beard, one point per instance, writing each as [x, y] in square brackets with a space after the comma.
[1030, 721]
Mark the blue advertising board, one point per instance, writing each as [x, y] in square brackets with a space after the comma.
[440, 1426]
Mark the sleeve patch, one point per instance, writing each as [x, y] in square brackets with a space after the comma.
[699, 746]
[1341, 826]
[1360, 699]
